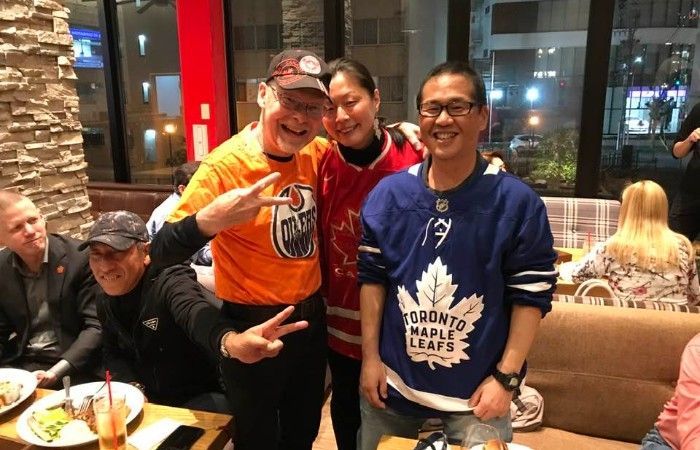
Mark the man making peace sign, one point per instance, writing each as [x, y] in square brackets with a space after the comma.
[265, 250]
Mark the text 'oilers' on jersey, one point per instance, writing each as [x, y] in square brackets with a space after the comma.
[272, 259]
[454, 264]
[342, 189]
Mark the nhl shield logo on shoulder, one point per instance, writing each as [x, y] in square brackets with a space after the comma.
[151, 323]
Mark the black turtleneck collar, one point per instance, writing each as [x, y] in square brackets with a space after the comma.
[365, 156]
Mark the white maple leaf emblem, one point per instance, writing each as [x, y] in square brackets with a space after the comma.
[436, 332]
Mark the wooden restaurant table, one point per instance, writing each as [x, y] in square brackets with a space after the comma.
[214, 438]
[567, 287]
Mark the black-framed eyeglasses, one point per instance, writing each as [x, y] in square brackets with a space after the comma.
[454, 108]
[312, 110]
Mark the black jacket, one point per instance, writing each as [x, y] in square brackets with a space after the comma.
[690, 186]
[174, 345]
[71, 297]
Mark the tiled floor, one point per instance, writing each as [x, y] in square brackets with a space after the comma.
[325, 439]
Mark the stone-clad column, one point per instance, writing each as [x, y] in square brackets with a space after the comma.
[302, 25]
[41, 145]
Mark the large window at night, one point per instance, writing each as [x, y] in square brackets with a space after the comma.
[534, 81]
[88, 36]
[651, 88]
[532, 55]
[150, 66]
[398, 42]
[261, 29]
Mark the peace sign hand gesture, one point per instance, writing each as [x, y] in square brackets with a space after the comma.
[262, 341]
[237, 206]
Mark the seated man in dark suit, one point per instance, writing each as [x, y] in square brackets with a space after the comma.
[48, 318]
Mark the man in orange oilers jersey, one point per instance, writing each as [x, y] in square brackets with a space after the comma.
[265, 250]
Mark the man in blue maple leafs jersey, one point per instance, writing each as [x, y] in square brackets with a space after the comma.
[457, 270]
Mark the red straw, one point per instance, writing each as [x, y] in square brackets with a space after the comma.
[108, 379]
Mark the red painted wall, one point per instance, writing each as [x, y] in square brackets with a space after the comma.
[200, 26]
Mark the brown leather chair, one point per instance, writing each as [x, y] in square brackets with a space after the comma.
[141, 199]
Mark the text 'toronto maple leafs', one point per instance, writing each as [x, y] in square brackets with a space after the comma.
[436, 331]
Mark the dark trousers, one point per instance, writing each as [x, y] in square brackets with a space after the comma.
[277, 402]
[684, 217]
[345, 400]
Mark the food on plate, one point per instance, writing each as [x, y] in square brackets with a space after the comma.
[495, 444]
[55, 425]
[77, 431]
[47, 423]
[9, 392]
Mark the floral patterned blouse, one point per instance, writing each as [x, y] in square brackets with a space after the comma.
[631, 282]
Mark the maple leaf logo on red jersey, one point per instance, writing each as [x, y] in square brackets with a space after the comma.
[346, 236]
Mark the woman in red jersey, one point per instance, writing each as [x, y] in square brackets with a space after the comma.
[363, 154]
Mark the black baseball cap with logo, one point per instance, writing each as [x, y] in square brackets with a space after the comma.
[298, 69]
[118, 229]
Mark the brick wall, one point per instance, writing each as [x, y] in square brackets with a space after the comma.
[41, 151]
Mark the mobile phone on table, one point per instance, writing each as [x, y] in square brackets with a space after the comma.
[183, 438]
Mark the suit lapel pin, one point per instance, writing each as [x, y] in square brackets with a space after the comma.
[60, 269]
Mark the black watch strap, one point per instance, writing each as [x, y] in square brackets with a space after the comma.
[510, 381]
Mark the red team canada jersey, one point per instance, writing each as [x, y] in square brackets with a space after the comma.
[342, 189]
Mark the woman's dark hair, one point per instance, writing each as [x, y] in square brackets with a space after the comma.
[356, 69]
[456, 68]
[361, 75]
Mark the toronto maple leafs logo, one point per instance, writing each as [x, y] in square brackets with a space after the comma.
[437, 331]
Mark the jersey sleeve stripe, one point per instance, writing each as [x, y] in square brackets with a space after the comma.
[532, 287]
[368, 249]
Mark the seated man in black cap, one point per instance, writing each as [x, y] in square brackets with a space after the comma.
[161, 331]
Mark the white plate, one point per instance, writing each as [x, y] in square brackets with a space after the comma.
[26, 379]
[511, 446]
[134, 399]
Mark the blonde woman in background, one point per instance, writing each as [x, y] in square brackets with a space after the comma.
[644, 259]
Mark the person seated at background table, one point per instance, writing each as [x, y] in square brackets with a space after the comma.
[496, 158]
[48, 319]
[364, 152]
[181, 178]
[644, 259]
[678, 425]
[161, 330]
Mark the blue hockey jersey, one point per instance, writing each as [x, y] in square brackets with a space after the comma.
[453, 264]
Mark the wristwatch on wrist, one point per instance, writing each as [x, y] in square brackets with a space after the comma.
[222, 347]
[510, 381]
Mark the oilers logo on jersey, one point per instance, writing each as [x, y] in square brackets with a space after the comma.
[293, 225]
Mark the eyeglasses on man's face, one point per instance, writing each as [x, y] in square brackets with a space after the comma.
[454, 108]
[313, 110]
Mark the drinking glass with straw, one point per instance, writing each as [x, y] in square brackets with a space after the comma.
[110, 418]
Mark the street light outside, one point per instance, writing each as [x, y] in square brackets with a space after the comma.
[533, 121]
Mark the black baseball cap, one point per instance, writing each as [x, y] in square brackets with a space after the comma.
[118, 229]
[297, 69]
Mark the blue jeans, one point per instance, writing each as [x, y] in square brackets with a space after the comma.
[377, 422]
[654, 441]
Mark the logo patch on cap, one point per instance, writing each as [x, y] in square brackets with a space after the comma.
[310, 64]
